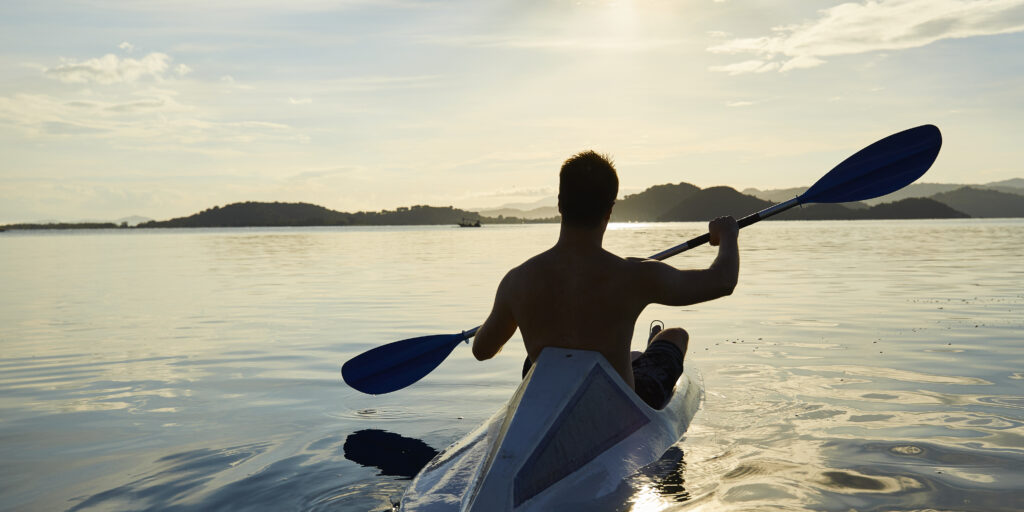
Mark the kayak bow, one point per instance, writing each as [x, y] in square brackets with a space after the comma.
[571, 433]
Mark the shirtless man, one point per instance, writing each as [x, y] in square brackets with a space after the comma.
[578, 295]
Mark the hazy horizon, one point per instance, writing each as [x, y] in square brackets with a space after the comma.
[548, 201]
[167, 107]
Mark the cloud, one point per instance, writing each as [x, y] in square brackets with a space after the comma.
[152, 115]
[747, 66]
[41, 114]
[874, 25]
[300, 101]
[335, 172]
[379, 83]
[110, 69]
[597, 43]
[126, 46]
[737, 104]
[136, 106]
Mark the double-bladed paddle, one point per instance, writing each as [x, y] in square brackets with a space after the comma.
[883, 167]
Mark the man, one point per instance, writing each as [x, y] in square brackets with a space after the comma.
[578, 295]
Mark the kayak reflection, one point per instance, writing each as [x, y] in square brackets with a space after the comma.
[392, 454]
[666, 476]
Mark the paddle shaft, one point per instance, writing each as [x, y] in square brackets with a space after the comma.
[742, 223]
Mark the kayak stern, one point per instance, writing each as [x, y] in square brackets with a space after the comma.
[570, 434]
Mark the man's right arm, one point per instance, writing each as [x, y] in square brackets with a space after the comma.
[664, 284]
[499, 326]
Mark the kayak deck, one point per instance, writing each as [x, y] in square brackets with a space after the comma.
[571, 433]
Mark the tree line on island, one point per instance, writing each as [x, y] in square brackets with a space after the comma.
[253, 214]
[660, 203]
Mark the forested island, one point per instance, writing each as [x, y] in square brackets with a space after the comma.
[660, 203]
[64, 225]
[252, 214]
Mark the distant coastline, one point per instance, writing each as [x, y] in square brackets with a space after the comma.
[660, 203]
[64, 225]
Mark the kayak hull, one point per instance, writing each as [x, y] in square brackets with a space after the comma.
[571, 433]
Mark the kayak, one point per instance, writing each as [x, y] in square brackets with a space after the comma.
[570, 434]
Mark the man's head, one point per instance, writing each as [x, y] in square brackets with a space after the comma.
[587, 186]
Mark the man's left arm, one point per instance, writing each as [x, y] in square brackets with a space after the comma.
[499, 326]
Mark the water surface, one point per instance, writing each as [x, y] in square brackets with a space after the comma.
[868, 365]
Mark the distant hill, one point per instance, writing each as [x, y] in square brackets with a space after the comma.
[133, 220]
[1013, 186]
[775, 195]
[912, 208]
[718, 201]
[983, 203]
[828, 211]
[660, 203]
[257, 214]
[912, 190]
[653, 203]
[251, 214]
[1010, 183]
[909, 208]
[714, 202]
[646, 206]
[551, 201]
[61, 225]
[544, 212]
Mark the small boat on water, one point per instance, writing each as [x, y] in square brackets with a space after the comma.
[469, 223]
[570, 435]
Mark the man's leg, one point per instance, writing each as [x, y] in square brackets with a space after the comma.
[656, 370]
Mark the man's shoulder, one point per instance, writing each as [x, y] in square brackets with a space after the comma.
[636, 264]
[525, 269]
[536, 261]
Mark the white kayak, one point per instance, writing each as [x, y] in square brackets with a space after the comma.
[571, 433]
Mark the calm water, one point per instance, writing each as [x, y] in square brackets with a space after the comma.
[859, 365]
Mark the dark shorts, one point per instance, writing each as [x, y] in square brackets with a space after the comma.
[655, 372]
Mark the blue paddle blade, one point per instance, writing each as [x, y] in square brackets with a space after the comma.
[883, 167]
[396, 365]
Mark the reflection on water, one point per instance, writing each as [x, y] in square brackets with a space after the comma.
[660, 483]
[236, 479]
[393, 454]
[822, 438]
[858, 366]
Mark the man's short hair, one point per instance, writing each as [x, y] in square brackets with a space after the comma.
[587, 186]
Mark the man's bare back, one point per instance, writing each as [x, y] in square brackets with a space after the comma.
[560, 298]
[578, 295]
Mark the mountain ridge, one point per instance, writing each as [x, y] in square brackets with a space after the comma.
[660, 203]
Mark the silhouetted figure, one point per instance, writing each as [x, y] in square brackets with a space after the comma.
[577, 295]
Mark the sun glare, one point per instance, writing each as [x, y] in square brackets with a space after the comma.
[613, 22]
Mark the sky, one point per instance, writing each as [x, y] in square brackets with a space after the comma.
[163, 108]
